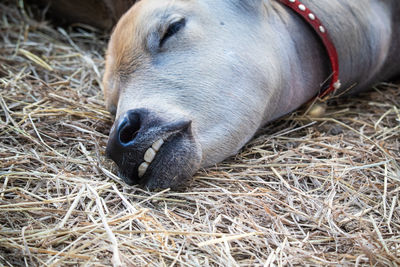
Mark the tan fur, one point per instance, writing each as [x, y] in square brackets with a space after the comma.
[120, 53]
[238, 64]
[127, 47]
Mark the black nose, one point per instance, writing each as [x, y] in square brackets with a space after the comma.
[123, 133]
[133, 134]
[128, 128]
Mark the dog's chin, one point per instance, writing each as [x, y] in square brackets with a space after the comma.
[173, 167]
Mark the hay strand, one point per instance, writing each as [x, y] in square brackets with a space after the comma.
[305, 191]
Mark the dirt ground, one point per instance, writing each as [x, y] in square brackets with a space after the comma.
[304, 191]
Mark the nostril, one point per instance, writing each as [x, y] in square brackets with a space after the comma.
[129, 129]
[128, 134]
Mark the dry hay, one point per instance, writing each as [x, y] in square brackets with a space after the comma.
[319, 192]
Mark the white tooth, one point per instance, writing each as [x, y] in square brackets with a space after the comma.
[157, 144]
[142, 169]
[149, 155]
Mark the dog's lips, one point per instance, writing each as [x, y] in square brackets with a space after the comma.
[150, 170]
[161, 162]
[152, 152]
[149, 156]
[175, 162]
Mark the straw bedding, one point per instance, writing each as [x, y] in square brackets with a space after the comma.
[319, 191]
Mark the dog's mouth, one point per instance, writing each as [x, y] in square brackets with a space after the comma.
[154, 154]
[168, 163]
[149, 156]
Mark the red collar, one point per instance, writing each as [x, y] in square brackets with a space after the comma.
[322, 32]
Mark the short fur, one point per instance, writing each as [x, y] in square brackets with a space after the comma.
[239, 64]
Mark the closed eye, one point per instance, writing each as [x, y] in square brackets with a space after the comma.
[173, 28]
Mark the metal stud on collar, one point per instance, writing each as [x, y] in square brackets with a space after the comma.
[310, 17]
